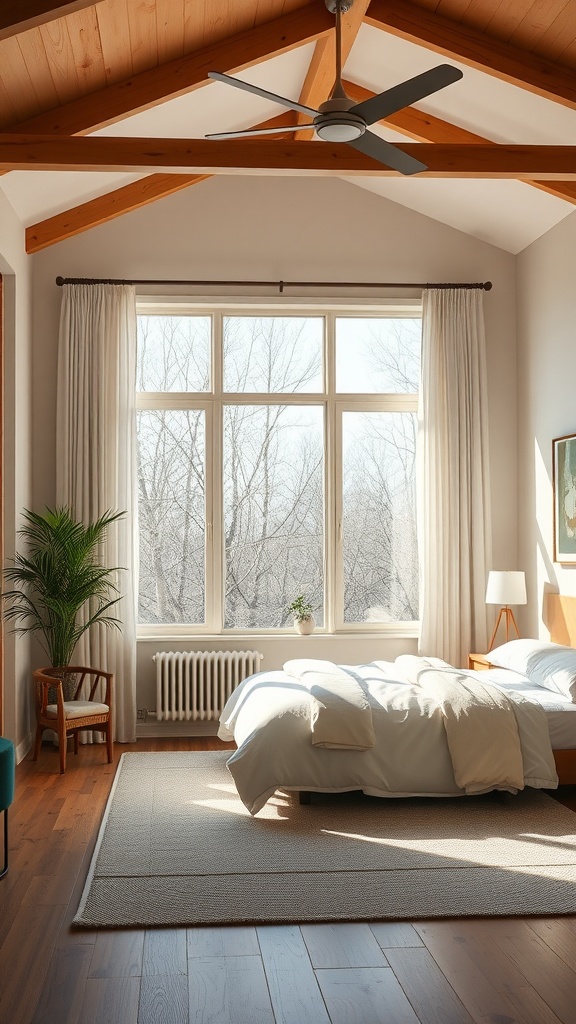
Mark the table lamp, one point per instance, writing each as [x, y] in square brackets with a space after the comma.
[505, 588]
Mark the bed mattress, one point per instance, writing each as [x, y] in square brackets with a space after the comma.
[269, 717]
[559, 709]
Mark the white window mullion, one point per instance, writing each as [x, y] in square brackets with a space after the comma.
[338, 513]
[213, 529]
[331, 450]
[216, 607]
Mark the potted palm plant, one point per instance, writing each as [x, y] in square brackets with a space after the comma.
[59, 577]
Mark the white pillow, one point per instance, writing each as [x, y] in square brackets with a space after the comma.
[546, 664]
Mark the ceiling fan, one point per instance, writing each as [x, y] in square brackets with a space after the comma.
[340, 119]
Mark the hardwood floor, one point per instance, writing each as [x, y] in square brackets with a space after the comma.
[458, 971]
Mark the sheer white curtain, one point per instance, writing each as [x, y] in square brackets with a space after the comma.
[454, 490]
[96, 459]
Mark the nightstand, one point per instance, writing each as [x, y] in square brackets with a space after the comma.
[479, 662]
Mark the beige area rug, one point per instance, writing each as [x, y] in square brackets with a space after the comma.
[177, 847]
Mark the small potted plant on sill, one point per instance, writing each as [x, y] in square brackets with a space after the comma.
[301, 611]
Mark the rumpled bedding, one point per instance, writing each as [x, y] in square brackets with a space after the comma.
[340, 712]
[271, 717]
[487, 730]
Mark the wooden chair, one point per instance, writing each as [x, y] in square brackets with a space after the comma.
[66, 716]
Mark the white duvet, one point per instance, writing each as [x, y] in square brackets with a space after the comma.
[270, 717]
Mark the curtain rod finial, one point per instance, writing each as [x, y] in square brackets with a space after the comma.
[59, 281]
[488, 286]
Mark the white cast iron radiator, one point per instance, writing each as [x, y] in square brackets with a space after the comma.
[196, 685]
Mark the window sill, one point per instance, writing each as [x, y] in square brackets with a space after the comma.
[409, 632]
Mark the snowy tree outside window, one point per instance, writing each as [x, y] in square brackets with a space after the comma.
[276, 455]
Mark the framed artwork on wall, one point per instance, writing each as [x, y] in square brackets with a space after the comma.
[564, 489]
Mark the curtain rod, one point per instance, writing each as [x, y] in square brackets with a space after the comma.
[280, 285]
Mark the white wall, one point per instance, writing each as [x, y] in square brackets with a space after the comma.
[286, 229]
[547, 404]
[15, 268]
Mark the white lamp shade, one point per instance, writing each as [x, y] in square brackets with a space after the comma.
[506, 588]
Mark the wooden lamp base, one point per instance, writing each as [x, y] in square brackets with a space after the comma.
[507, 614]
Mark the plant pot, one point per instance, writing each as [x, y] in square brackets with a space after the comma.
[305, 626]
[69, 681]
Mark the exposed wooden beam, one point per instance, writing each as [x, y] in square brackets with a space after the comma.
[119, 201]
[562, 189]
[268, 156]
[182, 75]
[504, 61]
[20, 15]
[320, 77]
[426, 128]
[412, 122]
[107, 207]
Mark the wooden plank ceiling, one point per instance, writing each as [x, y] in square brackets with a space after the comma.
[69, 68]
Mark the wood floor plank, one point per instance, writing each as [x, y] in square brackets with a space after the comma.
[163, 999]
[485, 980]
[31, 855]
[342, 945]
[391, 934]
[228, 990]
[365, 994]
[482, 942]
[559, 934]
[294, 990]
[433, 999]
[110, 1001]
[80, 817]
[55, 883]
[63, 992]
[14, 888]
[224, 941]
[67, 935]
[24, 961]
[534, 958]
[28, 800]
[41, 825]
[165, 951]
[117, 954]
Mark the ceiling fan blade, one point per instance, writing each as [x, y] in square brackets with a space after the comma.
[372, 145]
[258, 131]
[407, 93]
[217, 76]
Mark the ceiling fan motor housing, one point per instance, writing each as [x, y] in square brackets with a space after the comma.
[335, 122]
[332, 5]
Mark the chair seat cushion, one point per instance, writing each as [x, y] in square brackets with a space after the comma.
[77, 709]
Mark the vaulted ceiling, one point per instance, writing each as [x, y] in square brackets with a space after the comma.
[85, 87]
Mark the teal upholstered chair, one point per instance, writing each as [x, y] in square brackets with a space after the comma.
[7, 764]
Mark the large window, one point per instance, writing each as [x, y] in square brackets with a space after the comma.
[276, 456]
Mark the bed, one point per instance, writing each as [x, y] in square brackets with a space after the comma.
[413, 727]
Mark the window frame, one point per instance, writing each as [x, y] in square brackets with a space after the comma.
[333, 403]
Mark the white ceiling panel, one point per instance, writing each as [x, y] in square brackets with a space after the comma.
[37, 195]
[508, 214]
[218, 107]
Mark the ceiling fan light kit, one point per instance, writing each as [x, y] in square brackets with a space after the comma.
[339, 119]
[336, 124]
